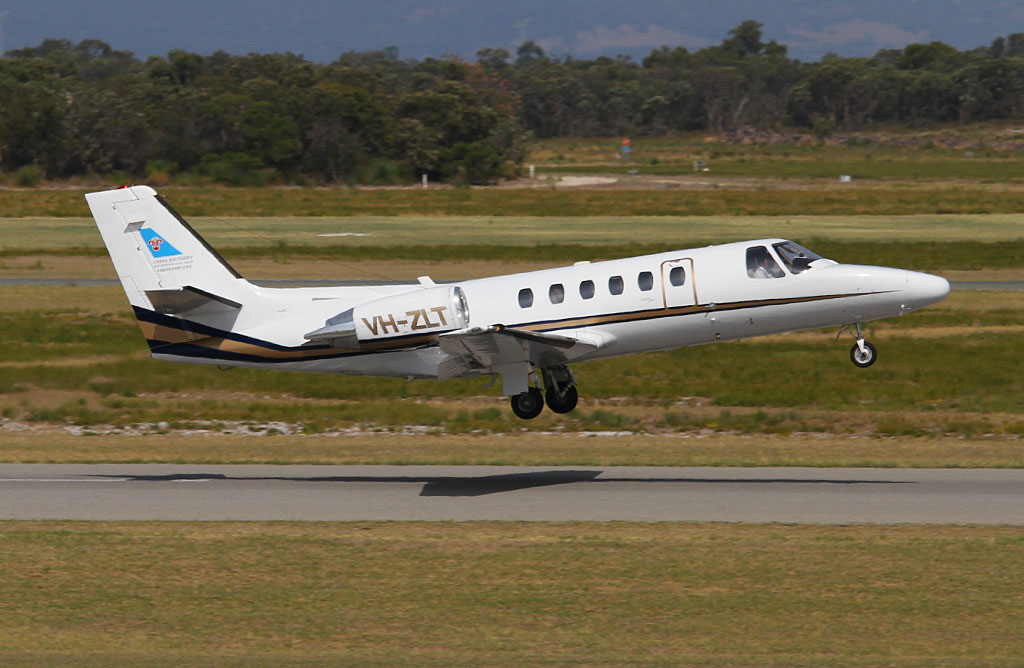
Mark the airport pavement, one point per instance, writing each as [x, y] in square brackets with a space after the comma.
[459, 493]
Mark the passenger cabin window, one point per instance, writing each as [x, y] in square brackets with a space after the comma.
[615, 285]
[760, 264]
[645, 281]
[794, 256]
[526, 298]
[677, 276]
[587, 289]
[556, 293]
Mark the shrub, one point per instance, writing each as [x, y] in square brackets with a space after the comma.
[236, 169]
[28, 176]
[158, 172]
[381, 172]
[823, 126]
[474, 163]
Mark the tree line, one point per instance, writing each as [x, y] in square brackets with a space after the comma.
[373, 117]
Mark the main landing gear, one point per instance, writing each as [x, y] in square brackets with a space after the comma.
[559, 393]
[863, 354]
[529, 404]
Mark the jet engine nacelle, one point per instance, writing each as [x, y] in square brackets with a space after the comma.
[408, 319]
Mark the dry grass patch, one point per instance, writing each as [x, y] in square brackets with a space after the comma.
[529, 449]
[289, 266]
[598, 227]
[64, 298]
[902, 199]
[527, 594]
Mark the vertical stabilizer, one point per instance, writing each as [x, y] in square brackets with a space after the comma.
[163, 264]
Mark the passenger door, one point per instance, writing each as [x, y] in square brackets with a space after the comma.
[677, 283]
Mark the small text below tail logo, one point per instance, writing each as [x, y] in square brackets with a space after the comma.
[158, 246]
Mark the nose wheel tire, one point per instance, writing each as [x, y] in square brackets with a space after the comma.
[864, 358]
[565, 403]
[528, 405]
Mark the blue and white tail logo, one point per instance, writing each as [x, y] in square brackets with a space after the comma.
[158, 246]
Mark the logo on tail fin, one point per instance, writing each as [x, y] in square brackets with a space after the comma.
[158, 246]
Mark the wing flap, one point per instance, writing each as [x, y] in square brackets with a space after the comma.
[480, 349]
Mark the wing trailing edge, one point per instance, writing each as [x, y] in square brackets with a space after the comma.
[479, 350]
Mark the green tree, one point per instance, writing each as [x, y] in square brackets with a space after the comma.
[528, 51]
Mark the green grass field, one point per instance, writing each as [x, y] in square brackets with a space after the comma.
[545, 201]
[785, 167]
[342, 233]
[84, 369]
[898, 158]
[76, 385]
[525, 594]
[71, 356]
[460, 247]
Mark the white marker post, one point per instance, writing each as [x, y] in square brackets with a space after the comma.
[424, 180]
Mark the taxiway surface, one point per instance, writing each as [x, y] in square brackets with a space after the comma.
[788, 495]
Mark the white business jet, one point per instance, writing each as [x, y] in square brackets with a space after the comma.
[525, 328]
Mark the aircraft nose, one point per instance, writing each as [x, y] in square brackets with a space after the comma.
[924, 289]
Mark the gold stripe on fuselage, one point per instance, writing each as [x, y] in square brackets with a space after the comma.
[173, 335]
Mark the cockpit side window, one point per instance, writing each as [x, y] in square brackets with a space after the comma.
[794, 256]
[760, 264]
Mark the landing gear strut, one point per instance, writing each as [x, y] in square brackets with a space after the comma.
[863, 354]
[560, 389]
[559, 393]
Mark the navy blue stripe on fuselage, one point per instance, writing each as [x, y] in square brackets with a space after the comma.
[288, 354]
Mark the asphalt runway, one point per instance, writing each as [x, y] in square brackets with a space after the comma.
[459, 493]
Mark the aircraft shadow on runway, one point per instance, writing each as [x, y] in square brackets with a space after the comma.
[454, 486]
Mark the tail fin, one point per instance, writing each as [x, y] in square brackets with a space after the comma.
[164, 266]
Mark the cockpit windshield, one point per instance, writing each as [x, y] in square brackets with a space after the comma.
[795, 257]
[760, 264]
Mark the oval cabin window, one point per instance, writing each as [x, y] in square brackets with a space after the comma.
[587, 289]
[645, 281]
[556, 293]
[615, 285]
[526, 298]
[677, 276]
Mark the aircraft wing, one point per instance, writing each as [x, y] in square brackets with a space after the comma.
[480, 349]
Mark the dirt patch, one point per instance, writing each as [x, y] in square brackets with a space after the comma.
[576, 181]
[1009, 139]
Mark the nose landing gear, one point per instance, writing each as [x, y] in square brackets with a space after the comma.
[862, 354]
[559, 393]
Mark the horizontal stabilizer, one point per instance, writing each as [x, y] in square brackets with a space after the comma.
[190, 300]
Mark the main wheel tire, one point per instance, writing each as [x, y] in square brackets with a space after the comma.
[528, 405]
[564, 404]
[863, 359]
